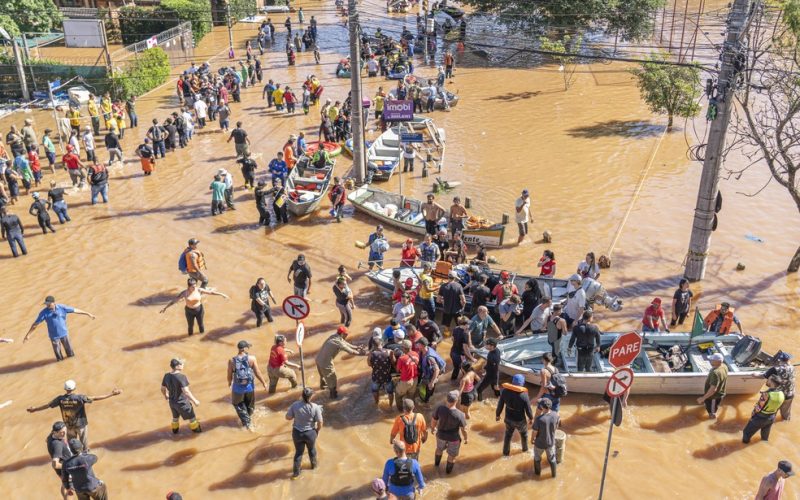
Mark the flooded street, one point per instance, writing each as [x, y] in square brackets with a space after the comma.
[581, 153]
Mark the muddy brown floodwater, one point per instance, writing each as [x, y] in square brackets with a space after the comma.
[580, 152]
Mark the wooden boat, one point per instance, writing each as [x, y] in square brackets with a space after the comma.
[307, 186]
[404, 213]
[333, 148]
[383, 155]
[656, 370]
[553, 288]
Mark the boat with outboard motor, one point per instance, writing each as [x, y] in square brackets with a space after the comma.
[669, 363]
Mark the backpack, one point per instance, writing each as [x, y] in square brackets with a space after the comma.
[402, 473]
[242, 373]
[559, 384]
[439, 360]
[410, 435]
[182, 263]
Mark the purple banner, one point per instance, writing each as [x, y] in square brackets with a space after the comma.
[398, 111]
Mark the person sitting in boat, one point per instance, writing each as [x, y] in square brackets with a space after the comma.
[653, 318]
[457, 254]
[720, 320]
[321, 158]
[343, 66]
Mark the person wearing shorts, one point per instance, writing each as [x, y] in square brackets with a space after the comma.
[450, 426]
[175, 388]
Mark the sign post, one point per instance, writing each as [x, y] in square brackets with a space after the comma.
[296, 307]
[299, 336]
[623, 351]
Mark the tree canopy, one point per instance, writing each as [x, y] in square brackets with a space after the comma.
[31, 15]
[630, 19]
[669, 89]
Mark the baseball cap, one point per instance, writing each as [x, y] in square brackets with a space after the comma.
[716, 357]
[518, 379]
[525, 192]
[75, 445]
[49, 299]
[35, 195]
[491, 341]
[175, 362]
[399, 335]
[243, 344]
[452, 396]
[194, 241]
[575, 277]
[58, 426]
[301, 257]
[783, 356]
[453, 274]
[70, 385]
[545, 403]
[504, 274]
[377, 332]
[341, 329]
[656, 300]
[786, 467]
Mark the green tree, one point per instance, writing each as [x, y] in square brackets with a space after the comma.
[32, 15]
[9, 25]
[568, 62]
[669, 89]
[196, 11]
[630, 19]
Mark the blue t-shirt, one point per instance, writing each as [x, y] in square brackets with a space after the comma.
[278, 169]
[389, 470]
[56, 320]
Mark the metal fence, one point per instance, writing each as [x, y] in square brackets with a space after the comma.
[176, 42]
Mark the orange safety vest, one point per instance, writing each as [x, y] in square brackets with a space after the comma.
[201, 261]
[727, 321]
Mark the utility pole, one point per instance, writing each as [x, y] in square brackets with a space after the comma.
[229, 22]
[356, 115]
[705, 217]
[109, 63]
[20, 70]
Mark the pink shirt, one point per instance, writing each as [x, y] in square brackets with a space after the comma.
[775, 490]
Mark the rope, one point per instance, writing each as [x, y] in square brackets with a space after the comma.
[636, 192]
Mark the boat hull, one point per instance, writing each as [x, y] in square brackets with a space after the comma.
[490, 237]
[333, 148]
[299, 208]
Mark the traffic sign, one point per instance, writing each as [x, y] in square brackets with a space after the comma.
[300, 334]
[625, 349]
[410, 137]
[619, 382]
[296, 307]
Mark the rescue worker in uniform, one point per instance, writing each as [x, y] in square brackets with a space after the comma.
[327, 353]
[764, 411]
[720, 320]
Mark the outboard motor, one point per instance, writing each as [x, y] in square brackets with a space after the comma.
[746, 350]
[596, 294]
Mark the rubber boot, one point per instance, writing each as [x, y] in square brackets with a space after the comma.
[553, 467]
[537, 467]
[195, 426]
[175, 427]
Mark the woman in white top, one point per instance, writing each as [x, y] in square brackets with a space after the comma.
[588, 268]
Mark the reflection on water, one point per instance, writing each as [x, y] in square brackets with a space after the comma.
[581, 153]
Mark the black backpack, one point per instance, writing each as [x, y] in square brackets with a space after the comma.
[410, 435]
[402, 473]
[559, 384]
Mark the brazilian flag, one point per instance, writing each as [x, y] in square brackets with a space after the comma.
[698, 327]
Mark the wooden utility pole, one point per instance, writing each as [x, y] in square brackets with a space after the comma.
[356, 114]
[705, 217]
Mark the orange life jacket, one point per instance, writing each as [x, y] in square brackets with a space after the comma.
[727, 321]
[512, 387]
[201, 261]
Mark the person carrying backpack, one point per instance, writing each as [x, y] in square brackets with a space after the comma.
[401, 473]
[432, 366]
[553, 385]
[411, 428]
[98, 179]
[242, 369]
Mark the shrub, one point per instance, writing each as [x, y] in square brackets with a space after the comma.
[196, 11]
[243, 8]
[143, 74]
[140, 23]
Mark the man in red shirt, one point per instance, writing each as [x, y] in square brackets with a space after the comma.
[653, 318]
[413, 335]
[408, 366]
[499, 290]
[279, 365]
[74, 167]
